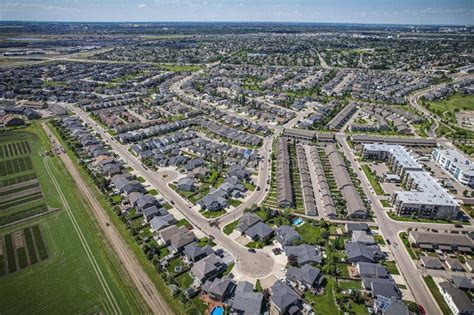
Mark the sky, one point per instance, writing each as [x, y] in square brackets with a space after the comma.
[458, 12]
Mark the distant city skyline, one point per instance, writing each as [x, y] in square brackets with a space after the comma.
[447, 12]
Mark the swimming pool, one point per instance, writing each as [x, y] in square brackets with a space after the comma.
[217, 310]
[297, 221]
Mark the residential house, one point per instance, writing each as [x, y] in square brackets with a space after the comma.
[219, 289]
[286, 235]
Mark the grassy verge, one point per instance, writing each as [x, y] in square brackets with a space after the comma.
[406, 243]
[373, 181]
[437, 295]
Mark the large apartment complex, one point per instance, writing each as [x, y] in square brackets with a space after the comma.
[459, 166]
[424, 196]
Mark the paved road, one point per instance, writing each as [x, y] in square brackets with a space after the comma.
[413, 101]
[390, 230]
[126, 256]
[255, 265]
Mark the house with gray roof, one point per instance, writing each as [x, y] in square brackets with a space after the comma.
[359, 252]
[219, 289]
[150, 212]
[208, 268]
[193, 252]
[259, 231]
[381, 287]
[246, 221]
[284, 299]
[431, 262]
[286, 235]
[305, 278]
[390, 306]
[246, 301]
[146, 201]
[363, 237]
[159, 223]
[370, 270]
[186, 184]
[303, 254]
[463, 282]
[457, 300]
[180, 240]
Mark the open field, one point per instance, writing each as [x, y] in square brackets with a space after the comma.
[73, 264]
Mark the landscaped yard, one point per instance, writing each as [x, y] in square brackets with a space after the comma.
[229, 228]
[256, 244]
[379, 239]
[184, 281]
[391, 267]
[309, 233]
[213, 214]
[173, 264]
[324, 304]
[228, 269]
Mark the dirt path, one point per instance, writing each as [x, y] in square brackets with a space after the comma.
[124, 253]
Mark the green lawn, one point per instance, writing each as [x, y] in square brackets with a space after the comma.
[324, 304]
[212, 214]
[228, 269]
[349, 284]
[66, 281]
[393, 216]
[373, 181]
[184, 281]
[309, 233]
[385, 203]
[256, 244]
[407, 245]
[379, 239]
[181, 68]
[437, 295]
[160, 284]
[391, 267]
[174, 263]
[235, 202]
[229, 228]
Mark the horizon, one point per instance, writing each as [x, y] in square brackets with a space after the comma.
[235, 22]
[404, 12]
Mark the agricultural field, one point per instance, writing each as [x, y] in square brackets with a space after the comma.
[22, 196]
[74, 263]
[20, 249]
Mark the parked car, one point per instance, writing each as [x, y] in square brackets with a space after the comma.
[251, 250]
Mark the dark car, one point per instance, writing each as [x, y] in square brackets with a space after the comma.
[219, 252]
[172, 202]
[388, 241]
[251, 250]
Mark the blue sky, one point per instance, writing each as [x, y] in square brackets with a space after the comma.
[350, 11]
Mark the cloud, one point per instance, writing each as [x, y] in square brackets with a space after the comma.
[141, 6]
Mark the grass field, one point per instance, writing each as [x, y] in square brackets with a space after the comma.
[149, 268]
[66, 281]
[373, 181]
